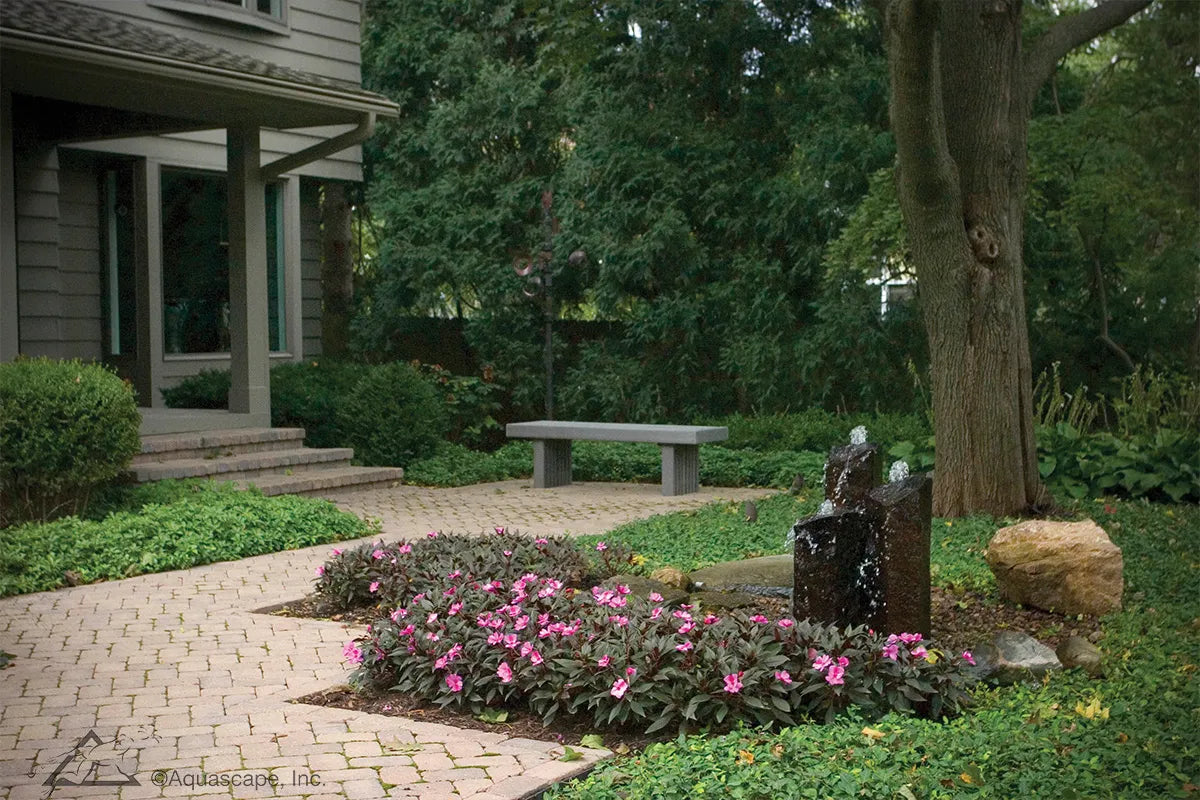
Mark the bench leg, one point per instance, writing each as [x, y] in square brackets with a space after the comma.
[680, 469]
[551, 463]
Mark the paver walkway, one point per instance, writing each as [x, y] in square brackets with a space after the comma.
[182, 682]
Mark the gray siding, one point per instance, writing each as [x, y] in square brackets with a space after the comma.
[39, 282]
[79, 258]
[310, 266]
[322, 36]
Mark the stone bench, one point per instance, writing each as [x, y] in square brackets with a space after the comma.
[680, 448]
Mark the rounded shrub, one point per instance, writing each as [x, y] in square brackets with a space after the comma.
[393, 416]
[65, 428]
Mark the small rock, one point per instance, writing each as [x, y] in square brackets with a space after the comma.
[1067, 567]
[751, 511]
[640, 586]
[72, 578]
[1079, 652]
[721, 601]
[1095, 636]
[1012, 657]
[671, 577]
[797, 484]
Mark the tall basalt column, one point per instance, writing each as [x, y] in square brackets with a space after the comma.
[901, 514]
[851, 472]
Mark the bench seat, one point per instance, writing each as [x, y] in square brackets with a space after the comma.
[680, 448]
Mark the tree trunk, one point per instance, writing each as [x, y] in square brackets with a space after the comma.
[962, 92]
[337, 269]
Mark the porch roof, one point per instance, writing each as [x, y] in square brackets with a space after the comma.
[64, 51]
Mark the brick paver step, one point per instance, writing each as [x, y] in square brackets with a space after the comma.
[245, 465]
[207, 444]
[320, 481]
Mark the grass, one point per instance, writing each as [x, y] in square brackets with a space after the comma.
[1134, 733]
[164, 526]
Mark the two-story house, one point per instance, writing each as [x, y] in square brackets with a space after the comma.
[160, 168]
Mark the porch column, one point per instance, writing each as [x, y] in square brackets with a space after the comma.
[250, 387]
[9, 332]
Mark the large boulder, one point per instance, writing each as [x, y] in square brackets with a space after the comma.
[770, 576]
[1065, 567]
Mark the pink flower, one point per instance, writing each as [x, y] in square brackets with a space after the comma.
[374, 587]
[910, 638]
[786, 623]
[681, 615]
[622, 589]
[822, 663]
[541, 540]
[535, 657]
[683, 648]
[711, 619]
[432, 534]
[655, 597]
[454, 682]
[507, 553]
[454, 609]
[656, 612]
[397, 614]
[733, 682]
[891, 651]
[619, 621]
[499, 530]
[505, 673]
[630, 671]
[834, 676]
[407, 630]
[784, 677]
[511, 640]
[920, 652]
[432, 618]
[352, 653]
[495, 637]
[760, 619]
[967, 657]
[406, 548]
[603, 661]
[456, 574]
[843, 662]
[320, 571]
[337, 551]
[378, 554]
[686, 627]
[619, 687]
[601, 547]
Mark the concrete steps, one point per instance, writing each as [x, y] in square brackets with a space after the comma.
[273, 459]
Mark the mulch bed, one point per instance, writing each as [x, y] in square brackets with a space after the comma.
[960, 621]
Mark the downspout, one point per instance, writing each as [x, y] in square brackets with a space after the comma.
[356, 135]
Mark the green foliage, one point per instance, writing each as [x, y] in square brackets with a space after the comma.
[208, 388]
[201, 525]
[310, 395]
[471, 403]
[1128, 734]
[689, 540]
[455, 465]
[65, 428]
[392, 416]
[816, 429]
[1164, 466]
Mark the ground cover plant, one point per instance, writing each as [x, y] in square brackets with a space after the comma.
[1130, 733]
[164, 526]
[486, 624]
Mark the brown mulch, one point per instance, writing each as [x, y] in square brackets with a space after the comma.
[960, 621]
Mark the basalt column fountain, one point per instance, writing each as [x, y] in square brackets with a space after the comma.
[863, 558]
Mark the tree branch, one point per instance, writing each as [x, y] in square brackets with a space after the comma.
[916, 111]
[1069, 33]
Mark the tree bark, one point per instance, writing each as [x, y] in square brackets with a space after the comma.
[961, 100]
[337, 269]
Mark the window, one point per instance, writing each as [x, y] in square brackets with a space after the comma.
[272, 8]
[195, 254]
[267, 15]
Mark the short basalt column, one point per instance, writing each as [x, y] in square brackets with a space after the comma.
[901, 513]
[829, 550]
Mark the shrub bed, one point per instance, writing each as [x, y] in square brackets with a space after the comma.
[472, 640]
[65, 428]
[201, 524]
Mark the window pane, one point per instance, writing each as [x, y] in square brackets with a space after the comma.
[195, 258]
[195, 236]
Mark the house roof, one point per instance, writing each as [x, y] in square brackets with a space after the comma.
[58, 24]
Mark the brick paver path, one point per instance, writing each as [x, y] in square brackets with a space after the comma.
[175, 672]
